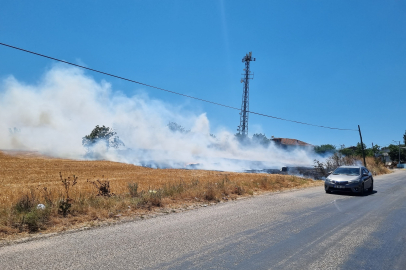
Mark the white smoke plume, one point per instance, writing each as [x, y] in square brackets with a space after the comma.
[53, 115]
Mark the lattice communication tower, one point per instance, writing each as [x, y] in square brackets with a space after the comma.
[243, 127]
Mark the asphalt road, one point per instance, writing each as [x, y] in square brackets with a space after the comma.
[304, 229]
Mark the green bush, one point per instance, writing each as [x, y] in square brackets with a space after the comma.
[64, 206]
[171, 190]
[32, 221]
[26, 202]
[36, 219]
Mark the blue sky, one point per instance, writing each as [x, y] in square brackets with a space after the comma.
[332, 63]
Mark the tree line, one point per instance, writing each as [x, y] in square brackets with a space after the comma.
[112, 140]
[373, 151]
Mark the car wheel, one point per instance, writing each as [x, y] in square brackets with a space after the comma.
[362, 193]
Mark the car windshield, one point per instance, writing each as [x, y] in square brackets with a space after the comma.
[347, 171]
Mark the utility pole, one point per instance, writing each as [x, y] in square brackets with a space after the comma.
[399, 149]
[243, 127]
[362, 146]
[373, 151]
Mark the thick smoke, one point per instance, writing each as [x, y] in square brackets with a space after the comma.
[53, 115]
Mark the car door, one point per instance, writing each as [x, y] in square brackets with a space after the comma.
[369, 178]
[366, 178]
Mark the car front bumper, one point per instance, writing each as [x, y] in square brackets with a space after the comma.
[355, 187]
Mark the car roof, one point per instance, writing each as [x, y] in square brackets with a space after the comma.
[351, 167]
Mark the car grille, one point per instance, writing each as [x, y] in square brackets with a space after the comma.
[340, 182]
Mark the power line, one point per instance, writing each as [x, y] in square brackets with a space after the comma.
[169, 91]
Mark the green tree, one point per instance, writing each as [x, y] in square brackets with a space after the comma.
[375, 150]
[358, 150]
[261, 139]
[394, 153]
[404, 138]
[174, 127]
[325, 149]
[347, 151]
[242, 139]
[103, 133]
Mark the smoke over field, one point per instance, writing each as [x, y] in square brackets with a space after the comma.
[53, 115]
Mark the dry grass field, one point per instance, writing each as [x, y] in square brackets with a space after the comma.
[28, 179]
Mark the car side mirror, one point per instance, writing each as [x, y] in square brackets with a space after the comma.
[365, 174]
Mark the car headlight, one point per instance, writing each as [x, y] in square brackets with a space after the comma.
[328, 180]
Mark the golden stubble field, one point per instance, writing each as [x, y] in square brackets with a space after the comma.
[24, 175]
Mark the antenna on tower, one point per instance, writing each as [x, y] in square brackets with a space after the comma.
[243, 127]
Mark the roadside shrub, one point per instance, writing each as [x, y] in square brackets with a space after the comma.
[133, 189]
[239, 190]
[138, 201]
[68, 183]
[155, 197]
[26, 202]
[32, 221]
[376, 166]
[47, 196]
[64, 206]
[334, 161]
[223, 183]
[172, 190]
[35, 219]
[330, 164]
[210, 193]
[81, 205]
[103, 187]
[224, 186]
